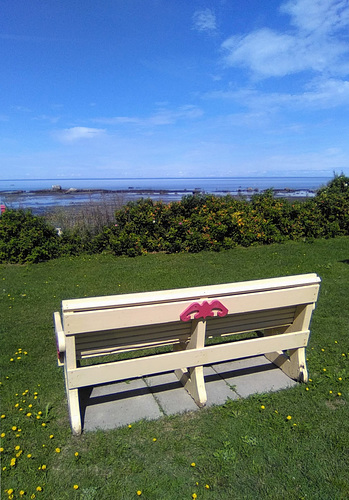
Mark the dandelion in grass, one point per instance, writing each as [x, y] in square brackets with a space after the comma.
[139, 493]
[51, 436]
[262, 407]
[193, 464]
[21, 493]
[288, 417]
[194, 495]
[207, 486]
[2, 435]
[339, 394]
[3, 416]
[57, 450]
[38, 488]
[76, 486]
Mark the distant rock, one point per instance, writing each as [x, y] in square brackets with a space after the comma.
[72, 190]
[56, 187]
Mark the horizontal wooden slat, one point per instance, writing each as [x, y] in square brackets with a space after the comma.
[190, 294]
[130, 368]
[97, 320]
[241, 323]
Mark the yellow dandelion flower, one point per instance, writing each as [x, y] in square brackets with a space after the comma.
[129, 426]
[29, 455]
[29, 414]
[13, 462]
[339, 393]
[193, 464]
[310, 380]
[194, 495]
[76, 486]
[38, 488]
[154, 439]
[44, 467]
[207, 486]
[33, 496]
[330, 392]
[43, 424]
[307, 388]
[2, 435]
[139, 493]
[324, 369]
[51, 436]
[14, 428]
[339, 378]
[16, 405]
[58, 450]
[10, 491]
[76, 453]
[30, 406]
[39, 412]
[1, 450]
[288, 417]
[21, 493]
[262, 407]
[17, 448]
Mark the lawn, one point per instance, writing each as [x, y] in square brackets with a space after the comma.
[291, 444]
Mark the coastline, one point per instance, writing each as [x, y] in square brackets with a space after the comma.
[46, 200]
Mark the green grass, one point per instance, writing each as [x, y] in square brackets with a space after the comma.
[240, 450]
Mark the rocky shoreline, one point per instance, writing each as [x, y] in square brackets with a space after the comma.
[43, 200]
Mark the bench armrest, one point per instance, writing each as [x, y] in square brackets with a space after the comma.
[60, 338]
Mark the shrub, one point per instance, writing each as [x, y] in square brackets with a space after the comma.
[25, 237]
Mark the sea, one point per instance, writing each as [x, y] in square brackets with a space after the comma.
[40, 195]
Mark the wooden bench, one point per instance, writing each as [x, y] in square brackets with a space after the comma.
[185, 318]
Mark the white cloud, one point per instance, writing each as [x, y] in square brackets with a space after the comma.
[162, 116]
[77, 133]
[311, 45]
[318, 94]
[204, 20]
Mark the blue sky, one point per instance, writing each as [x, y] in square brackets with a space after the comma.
[178, 88]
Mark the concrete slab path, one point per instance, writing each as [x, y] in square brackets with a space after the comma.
[115, 405]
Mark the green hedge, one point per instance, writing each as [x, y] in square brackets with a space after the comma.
[196, 223]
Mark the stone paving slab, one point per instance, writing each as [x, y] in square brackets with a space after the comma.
[115, 405]
[253, 376]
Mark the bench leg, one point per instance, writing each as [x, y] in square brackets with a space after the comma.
[193, 378]
[74, 411]
[293, 365]
[72, 394]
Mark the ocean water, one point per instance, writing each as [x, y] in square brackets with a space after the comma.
[37, 194]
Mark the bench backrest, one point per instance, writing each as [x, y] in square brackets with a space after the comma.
[106, 325]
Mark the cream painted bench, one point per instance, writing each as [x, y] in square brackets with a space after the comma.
[279, 307]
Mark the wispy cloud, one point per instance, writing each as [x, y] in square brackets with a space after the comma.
[161, 117]
[205, 20]
[309, 45]
[74, 134]
[319, 94]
